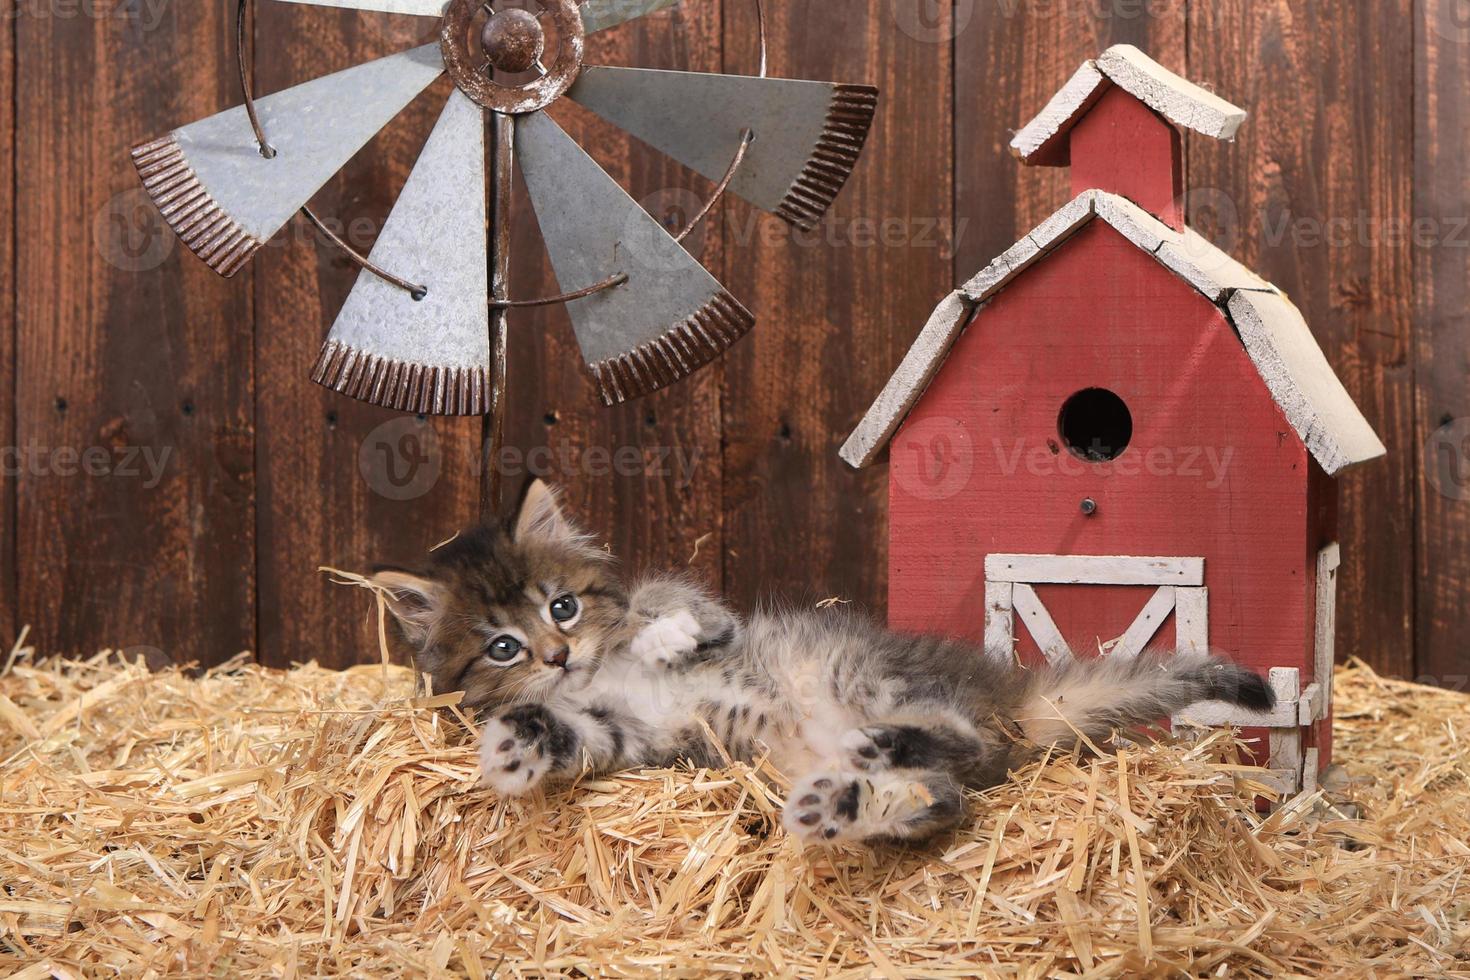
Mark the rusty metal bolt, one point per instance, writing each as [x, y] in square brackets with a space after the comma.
[513, 40]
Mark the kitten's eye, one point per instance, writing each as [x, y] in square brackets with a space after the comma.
[504, 649]
[564, 609]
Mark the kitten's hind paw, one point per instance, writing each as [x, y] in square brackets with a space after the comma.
[667, 640]
[519, 747]
[824, 808]
[831, 807]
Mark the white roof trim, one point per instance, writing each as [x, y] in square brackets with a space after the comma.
[912, 378]
[1301, 380]
[1176, 99]
[1274, 334]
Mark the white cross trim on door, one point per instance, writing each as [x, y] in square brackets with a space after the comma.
[1010, 592]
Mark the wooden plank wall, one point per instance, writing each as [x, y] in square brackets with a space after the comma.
[134, 391]
[1440, 355]
[9, 462]
[116, 340]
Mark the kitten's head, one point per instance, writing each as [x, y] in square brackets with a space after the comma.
[510, 612]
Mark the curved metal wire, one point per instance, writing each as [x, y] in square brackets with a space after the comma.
[516, 304]
[415, 290]
[747, 136]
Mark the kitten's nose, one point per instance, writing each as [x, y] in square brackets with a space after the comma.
[558, 658]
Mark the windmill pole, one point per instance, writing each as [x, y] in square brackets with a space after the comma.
[502, 164]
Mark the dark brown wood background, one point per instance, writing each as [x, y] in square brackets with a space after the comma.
[1348, 187]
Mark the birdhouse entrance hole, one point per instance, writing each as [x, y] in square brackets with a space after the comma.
[1095, 425]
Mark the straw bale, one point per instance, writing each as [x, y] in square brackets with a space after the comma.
[251, 822]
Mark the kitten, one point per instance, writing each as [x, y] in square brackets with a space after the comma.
[572, 670]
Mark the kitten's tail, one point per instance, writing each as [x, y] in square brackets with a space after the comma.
[1096, 697]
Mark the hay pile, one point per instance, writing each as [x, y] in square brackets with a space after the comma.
[306, 823]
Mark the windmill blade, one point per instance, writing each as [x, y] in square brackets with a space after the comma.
[670, 318]
[808, 135]
[224, 199]
[599, 15]
[416, 8]
[430, 355]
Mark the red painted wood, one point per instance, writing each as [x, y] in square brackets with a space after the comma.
[1213, 468]
[1123, 146]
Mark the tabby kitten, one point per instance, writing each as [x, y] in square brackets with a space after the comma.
[571, 671]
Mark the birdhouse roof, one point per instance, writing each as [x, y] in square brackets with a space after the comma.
[1043, 141]
[1274, 334]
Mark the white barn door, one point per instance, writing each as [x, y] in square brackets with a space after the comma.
[1179, 588]
[1010, 595]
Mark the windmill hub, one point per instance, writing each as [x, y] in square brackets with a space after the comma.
[513, 40]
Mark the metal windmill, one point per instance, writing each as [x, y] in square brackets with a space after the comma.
[416, 333]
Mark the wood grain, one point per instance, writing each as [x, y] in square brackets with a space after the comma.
[644, 476]
[1305, 198]
[1010, 59]
[1357, 114]
[9, 628]
[836, 308]
[342, 483]
[1441, 352]
[125, 344]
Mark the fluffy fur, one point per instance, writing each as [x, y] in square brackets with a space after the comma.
[880, 732]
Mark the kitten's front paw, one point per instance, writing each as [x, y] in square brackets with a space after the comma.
[667, 639]
[824, 808]
[513, 750]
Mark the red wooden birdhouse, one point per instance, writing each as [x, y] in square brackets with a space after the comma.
[1116, 436]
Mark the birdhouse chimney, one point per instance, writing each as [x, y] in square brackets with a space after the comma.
[1116, 124]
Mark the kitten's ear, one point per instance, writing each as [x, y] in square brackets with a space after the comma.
[541, 516]
[416, 602]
